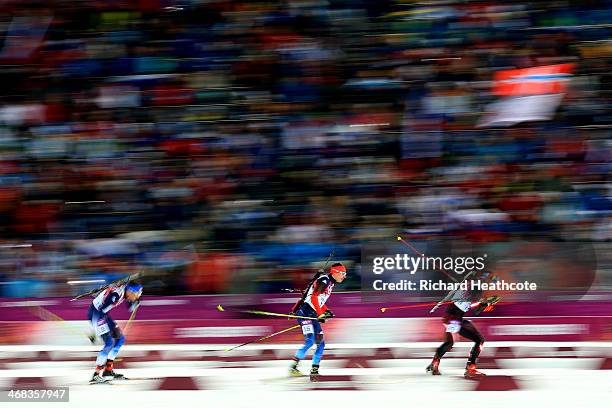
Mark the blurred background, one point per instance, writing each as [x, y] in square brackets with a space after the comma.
[227, 146]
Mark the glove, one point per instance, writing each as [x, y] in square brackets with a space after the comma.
[134, 305]
[491, 300]
[325, 315]
[486, 305]
[329, 314]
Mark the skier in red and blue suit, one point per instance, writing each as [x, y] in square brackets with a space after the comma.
[312, 304]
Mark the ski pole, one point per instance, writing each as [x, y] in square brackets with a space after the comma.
[129, 322]
[384, 309]
[47, 315]
[264, 337]
[262, 313]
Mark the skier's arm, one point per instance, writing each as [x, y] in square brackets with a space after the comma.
[319, 287]
[109, 302]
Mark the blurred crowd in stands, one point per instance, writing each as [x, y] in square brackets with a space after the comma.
[227, 146]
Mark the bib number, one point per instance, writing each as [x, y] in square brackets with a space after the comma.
[307, 328]
[453, 326]
[102, 327]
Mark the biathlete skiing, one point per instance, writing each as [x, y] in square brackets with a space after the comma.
[106, 328]
[460, 303]
[312, 304]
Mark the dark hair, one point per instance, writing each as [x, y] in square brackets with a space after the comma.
[336, 264]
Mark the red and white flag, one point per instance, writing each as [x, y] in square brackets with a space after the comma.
[529, 94]
[548, 79]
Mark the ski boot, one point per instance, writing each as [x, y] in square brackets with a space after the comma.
[98, 379]
[294, 372]
[112, 375]
[314, 373]
[433, 367]
[471, 372]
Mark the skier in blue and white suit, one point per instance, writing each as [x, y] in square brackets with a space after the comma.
[106, 328]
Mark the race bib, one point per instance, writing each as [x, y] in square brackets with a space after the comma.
[102, 327]
[307, 328]
[453, 326]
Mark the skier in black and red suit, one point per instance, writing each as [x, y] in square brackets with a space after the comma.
[453, 321]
